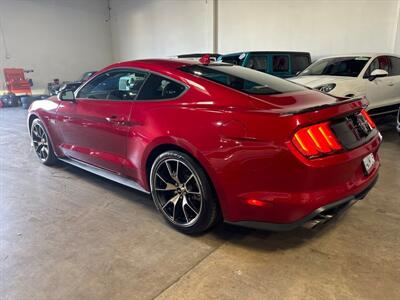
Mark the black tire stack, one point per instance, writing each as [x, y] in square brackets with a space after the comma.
[26, 101]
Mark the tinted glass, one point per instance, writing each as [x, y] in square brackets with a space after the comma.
[300, 62]
[243, 79]
[280, 63]
[383, 63]
[158, 87]
[258, 63]
[395, 62]
[114, 85]
[337, 66]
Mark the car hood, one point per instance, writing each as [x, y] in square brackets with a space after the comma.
[315, 81]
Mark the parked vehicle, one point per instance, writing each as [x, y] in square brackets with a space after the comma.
[213, 140]
[26, 101]
[213, 56]
[282, 64]
[71, 85]
[85, 76]
[374, 76]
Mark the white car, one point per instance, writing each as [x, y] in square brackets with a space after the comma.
[374, 76]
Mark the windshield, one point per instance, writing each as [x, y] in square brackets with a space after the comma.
[243, 79]
[337, 66]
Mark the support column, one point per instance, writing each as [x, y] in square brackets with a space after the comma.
[396, 38]
[215, 26]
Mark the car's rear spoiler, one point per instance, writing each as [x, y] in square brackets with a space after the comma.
[340, 101]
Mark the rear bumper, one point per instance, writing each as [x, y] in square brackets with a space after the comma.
[319, 216]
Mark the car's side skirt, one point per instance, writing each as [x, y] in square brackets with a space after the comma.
[104, 173]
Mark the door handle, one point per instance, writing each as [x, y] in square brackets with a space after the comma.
[116, 120]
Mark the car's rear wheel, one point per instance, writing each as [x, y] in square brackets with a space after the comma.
[183, 193]
[41, 143]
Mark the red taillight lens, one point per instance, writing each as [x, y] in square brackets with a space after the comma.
[316, 140]
[368, 118]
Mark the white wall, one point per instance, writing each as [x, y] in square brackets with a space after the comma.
[154, 28]
[321, 27]
[56, 38]
[160, 28]
[64, 38]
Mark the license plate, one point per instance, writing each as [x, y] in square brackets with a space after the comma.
[369, 162]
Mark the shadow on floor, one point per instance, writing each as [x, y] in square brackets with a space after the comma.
[266, 240]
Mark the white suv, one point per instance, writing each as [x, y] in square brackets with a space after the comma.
[375, 76]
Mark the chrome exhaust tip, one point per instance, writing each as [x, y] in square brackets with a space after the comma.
[317, 220]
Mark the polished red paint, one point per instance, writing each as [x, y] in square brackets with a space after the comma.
[243, 142]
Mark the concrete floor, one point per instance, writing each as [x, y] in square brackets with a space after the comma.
[67, 234]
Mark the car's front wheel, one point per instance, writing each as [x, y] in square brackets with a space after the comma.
[183, 193]
[41, 143]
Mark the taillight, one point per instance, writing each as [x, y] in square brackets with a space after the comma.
[316, 140]
[368, 118]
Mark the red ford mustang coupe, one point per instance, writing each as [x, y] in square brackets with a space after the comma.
[214, 141]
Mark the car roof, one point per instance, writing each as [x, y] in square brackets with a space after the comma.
[197, 55]
[266, 52]
[173, 63]
[158, 65]
[366, 54]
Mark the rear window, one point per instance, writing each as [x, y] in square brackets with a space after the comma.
[243, 79]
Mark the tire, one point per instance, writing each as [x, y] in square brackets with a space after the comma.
[26, 101]
[183, 193]
[41, 142]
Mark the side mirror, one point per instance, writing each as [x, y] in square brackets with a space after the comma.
[377, 73]
[67, 95]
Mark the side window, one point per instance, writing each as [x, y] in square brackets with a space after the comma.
[381, 62]
[373, 66]
[114, 85]
[280, 63]
[300, 62]
[395, 62]
[158, 88]
[257, 62]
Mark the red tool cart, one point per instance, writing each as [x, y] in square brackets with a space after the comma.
[16, 82]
